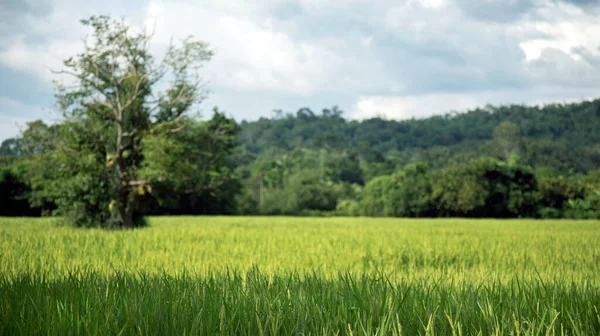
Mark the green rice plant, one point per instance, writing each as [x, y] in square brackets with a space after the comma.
[253, 303]
[311, 276]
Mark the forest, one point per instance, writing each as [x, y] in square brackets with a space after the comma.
[496, 162]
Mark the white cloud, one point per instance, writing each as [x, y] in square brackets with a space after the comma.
[39, 60]
[564, 27]
[252, 55]
[432, 3]
[53, 37]
[14, 116]
[413, 18]
[10, 126]
[407, 107]
[426, 105]
[366, 41]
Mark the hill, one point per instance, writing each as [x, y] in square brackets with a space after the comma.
[562, 136]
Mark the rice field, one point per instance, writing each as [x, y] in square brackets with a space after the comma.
[308, 276]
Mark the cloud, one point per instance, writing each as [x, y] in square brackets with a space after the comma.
[39, 60]
[252, 54]
[426, 105]
[13, 11]
[497, 11]
[588, 4]
[51, 33]
[14, 115]
[440, 49]
[22, 86]
[563, 27]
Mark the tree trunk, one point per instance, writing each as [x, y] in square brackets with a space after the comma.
[125, 209]
[128, 222]
[126, 218]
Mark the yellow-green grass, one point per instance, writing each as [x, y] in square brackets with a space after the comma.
[450, 248]
[282, 275]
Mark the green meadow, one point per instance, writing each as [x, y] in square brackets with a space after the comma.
[308, 276]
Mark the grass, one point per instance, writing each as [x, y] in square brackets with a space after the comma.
[255, 276]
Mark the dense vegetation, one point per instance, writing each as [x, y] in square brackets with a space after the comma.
[249, 275]
[508, 161]
[501, 162]
[563, 136]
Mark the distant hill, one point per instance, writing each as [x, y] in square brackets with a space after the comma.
[562, 136]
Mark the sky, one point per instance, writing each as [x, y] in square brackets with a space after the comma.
[393, 59]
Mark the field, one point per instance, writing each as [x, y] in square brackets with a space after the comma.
[279, 275]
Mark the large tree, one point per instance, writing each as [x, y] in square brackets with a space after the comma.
[97, 171]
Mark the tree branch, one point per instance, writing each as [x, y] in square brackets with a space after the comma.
[136, 92]
[139, 182]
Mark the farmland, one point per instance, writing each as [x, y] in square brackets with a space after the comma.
[283, 275]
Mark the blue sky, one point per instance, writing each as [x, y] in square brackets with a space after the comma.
[398, 59]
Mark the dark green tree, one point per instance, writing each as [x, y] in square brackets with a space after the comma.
[199, 155]
[381, 196]
[487, 188]
[415, 191]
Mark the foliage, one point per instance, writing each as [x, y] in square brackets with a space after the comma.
[487, 188]
[13, 194]
[307, 190]
[507, 161]
[201, 177]
[556, 189]
[586, 208]
[557, 135]
[379, 196]
[102, 165]
[348, 207]
[590, 182]
[416, 190]
[406, 193]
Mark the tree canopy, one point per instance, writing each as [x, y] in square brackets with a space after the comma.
[121, 137]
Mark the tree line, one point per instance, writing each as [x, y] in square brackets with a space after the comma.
[336, 183]
[212, 178]
[129, 146]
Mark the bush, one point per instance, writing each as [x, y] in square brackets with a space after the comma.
[348, 208]
[587, 208]
[550, 213]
